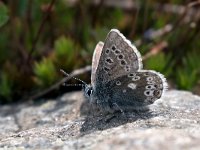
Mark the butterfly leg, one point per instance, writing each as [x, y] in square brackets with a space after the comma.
[109, 117]
[123, 114]
[116, 107]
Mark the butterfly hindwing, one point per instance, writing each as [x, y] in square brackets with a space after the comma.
[136, 89]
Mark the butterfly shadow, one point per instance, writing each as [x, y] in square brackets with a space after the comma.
[96, 121]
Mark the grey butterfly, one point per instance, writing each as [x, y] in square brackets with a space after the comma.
[118, 82]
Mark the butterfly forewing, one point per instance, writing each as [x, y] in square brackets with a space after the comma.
[118, 58]
[95, 61]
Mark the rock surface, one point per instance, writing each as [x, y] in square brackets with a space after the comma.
[173, 122]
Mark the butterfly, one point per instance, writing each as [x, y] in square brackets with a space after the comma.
[118, 81]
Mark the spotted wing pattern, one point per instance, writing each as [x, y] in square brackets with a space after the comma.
[118, 57]
[136, 89]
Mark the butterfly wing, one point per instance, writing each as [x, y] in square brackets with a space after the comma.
[118, 57]
[136, 90]
[95, 61]
[119, 83]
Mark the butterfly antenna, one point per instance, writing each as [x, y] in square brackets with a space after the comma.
[67, 75]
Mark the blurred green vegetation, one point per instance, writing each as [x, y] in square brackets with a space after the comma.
[3, 14]
[37, 38]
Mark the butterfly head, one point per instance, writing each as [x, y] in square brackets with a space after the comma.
[88, 90]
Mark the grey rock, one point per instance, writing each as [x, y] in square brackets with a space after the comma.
[173, 122]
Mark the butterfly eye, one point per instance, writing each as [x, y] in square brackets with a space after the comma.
[89, 92]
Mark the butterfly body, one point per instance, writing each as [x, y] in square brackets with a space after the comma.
[118, 81]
